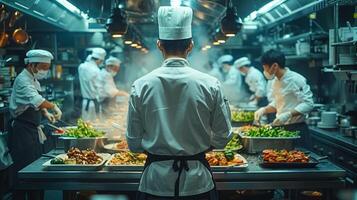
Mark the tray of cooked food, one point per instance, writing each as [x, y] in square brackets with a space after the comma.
[77, 160]
[126, 161]
[226, 160]
[287, 159]
[121, 145]
[257, 138]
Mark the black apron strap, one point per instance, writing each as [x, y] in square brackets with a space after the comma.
[96, 105]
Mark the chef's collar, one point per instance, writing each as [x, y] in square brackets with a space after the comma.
[175, 62]
[287, 70]
[29, 74]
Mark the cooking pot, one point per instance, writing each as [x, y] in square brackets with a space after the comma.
[4, 37]
[20, 36]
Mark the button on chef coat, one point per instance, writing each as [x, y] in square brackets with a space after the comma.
[88, 78]
[256, 82]
[107, 87]
[292, 92]
[25, 94]
[176, 110]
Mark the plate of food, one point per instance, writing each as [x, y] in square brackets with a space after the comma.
[77, 160]
[226, 160]
[121, 145]
[287, 159]
[126, 161]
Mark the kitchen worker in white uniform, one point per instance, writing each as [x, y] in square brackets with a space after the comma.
[27, 107]
[254, 79]
[107, 87]
[292, 97]
[176, 113]
[89, 81]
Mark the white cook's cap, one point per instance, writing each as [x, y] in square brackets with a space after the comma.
[99, 53]
[224, 59]
[38, 56]
[112, 61]
[244, 61]
[174, 23]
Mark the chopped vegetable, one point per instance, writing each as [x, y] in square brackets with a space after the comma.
[242, 116]
[234, 143]
[83, 130]
[268, 131]
[57, 161]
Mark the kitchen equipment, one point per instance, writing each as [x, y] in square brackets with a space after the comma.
[20, 36]
[3, 13]
[4, 37]
[328, 120]
[344, 121]
[15, 16]
[75, 167]
[95, 143]
[302, 47]
[349, 131]
[312, 163]
[257, 144]
[312, 121]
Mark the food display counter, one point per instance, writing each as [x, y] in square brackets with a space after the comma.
[325, 176]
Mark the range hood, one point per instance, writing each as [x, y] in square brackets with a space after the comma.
[281, 11]
[53, 12]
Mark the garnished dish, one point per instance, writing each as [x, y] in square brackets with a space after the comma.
[284, 156]
[225, 158]
[127, 158]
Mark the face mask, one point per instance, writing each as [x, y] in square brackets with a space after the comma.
[269, 76]
[113, 73]
[242, 73]
[41, 74]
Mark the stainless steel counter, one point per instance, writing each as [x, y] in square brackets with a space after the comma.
[326, 175]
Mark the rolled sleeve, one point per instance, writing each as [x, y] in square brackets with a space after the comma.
[304, 96]
[135, 130]
[221, 123]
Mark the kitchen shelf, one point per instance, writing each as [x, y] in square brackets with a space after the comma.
[348, 43]
[306, 57]
[293, 39]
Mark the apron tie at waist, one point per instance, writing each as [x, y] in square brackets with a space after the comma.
[96, 104]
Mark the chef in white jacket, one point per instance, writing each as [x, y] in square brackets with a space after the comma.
[176, 113]
[107, 87]
[254, 79]
[27, 106]
[291, 95]
[88, 78]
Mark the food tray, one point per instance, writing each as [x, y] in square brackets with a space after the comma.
[257, 144]
[122, 167]
[312, 163]
[95, 143]
[111, 148]
[75, 167]
[239, 124]
[240, 167]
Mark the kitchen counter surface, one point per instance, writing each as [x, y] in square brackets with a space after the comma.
[325, 175]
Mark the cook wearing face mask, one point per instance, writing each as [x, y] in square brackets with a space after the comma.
[255, 80]
[291, 95]
[27, 107]
[108, 90]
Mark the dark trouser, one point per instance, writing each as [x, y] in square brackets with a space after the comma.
[204, 196]
[4, 181]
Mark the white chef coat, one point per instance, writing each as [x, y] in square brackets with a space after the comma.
[233, 87]
[256, 82]
[25, 94]
[176, 110]
[215, 72]
[107, 87]
[269, 90]
[88, 78]
[292, 92]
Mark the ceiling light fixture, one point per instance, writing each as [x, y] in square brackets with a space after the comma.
[117, 22]
[231, 24]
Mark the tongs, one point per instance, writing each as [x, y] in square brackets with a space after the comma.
[55, 127]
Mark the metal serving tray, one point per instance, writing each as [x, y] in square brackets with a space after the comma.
[240, 167]
[257, 144]
[312, 163]
[75, 167]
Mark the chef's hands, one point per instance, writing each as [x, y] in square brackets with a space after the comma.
[282, 119]
[259, 113]
[122, 93]
[51, 118]
[58, 112]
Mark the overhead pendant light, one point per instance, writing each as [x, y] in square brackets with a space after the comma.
[128, 38]
[117, 24]
[231, 24]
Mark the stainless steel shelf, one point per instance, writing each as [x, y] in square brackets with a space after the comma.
[293, 39]
[348, 43]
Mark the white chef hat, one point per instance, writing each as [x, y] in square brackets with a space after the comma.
[225, 59]
[98, 53]
[244, 61]
[112, 61]
[38, 56]
[175, 23]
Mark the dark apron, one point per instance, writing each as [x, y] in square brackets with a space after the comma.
[303, 128]
[179, 164]
[106, 104]
[96, 104]
[24, 143]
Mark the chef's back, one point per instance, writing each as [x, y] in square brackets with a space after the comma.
[177, 110]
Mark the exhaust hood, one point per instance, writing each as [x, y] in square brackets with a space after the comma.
[59, 13]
